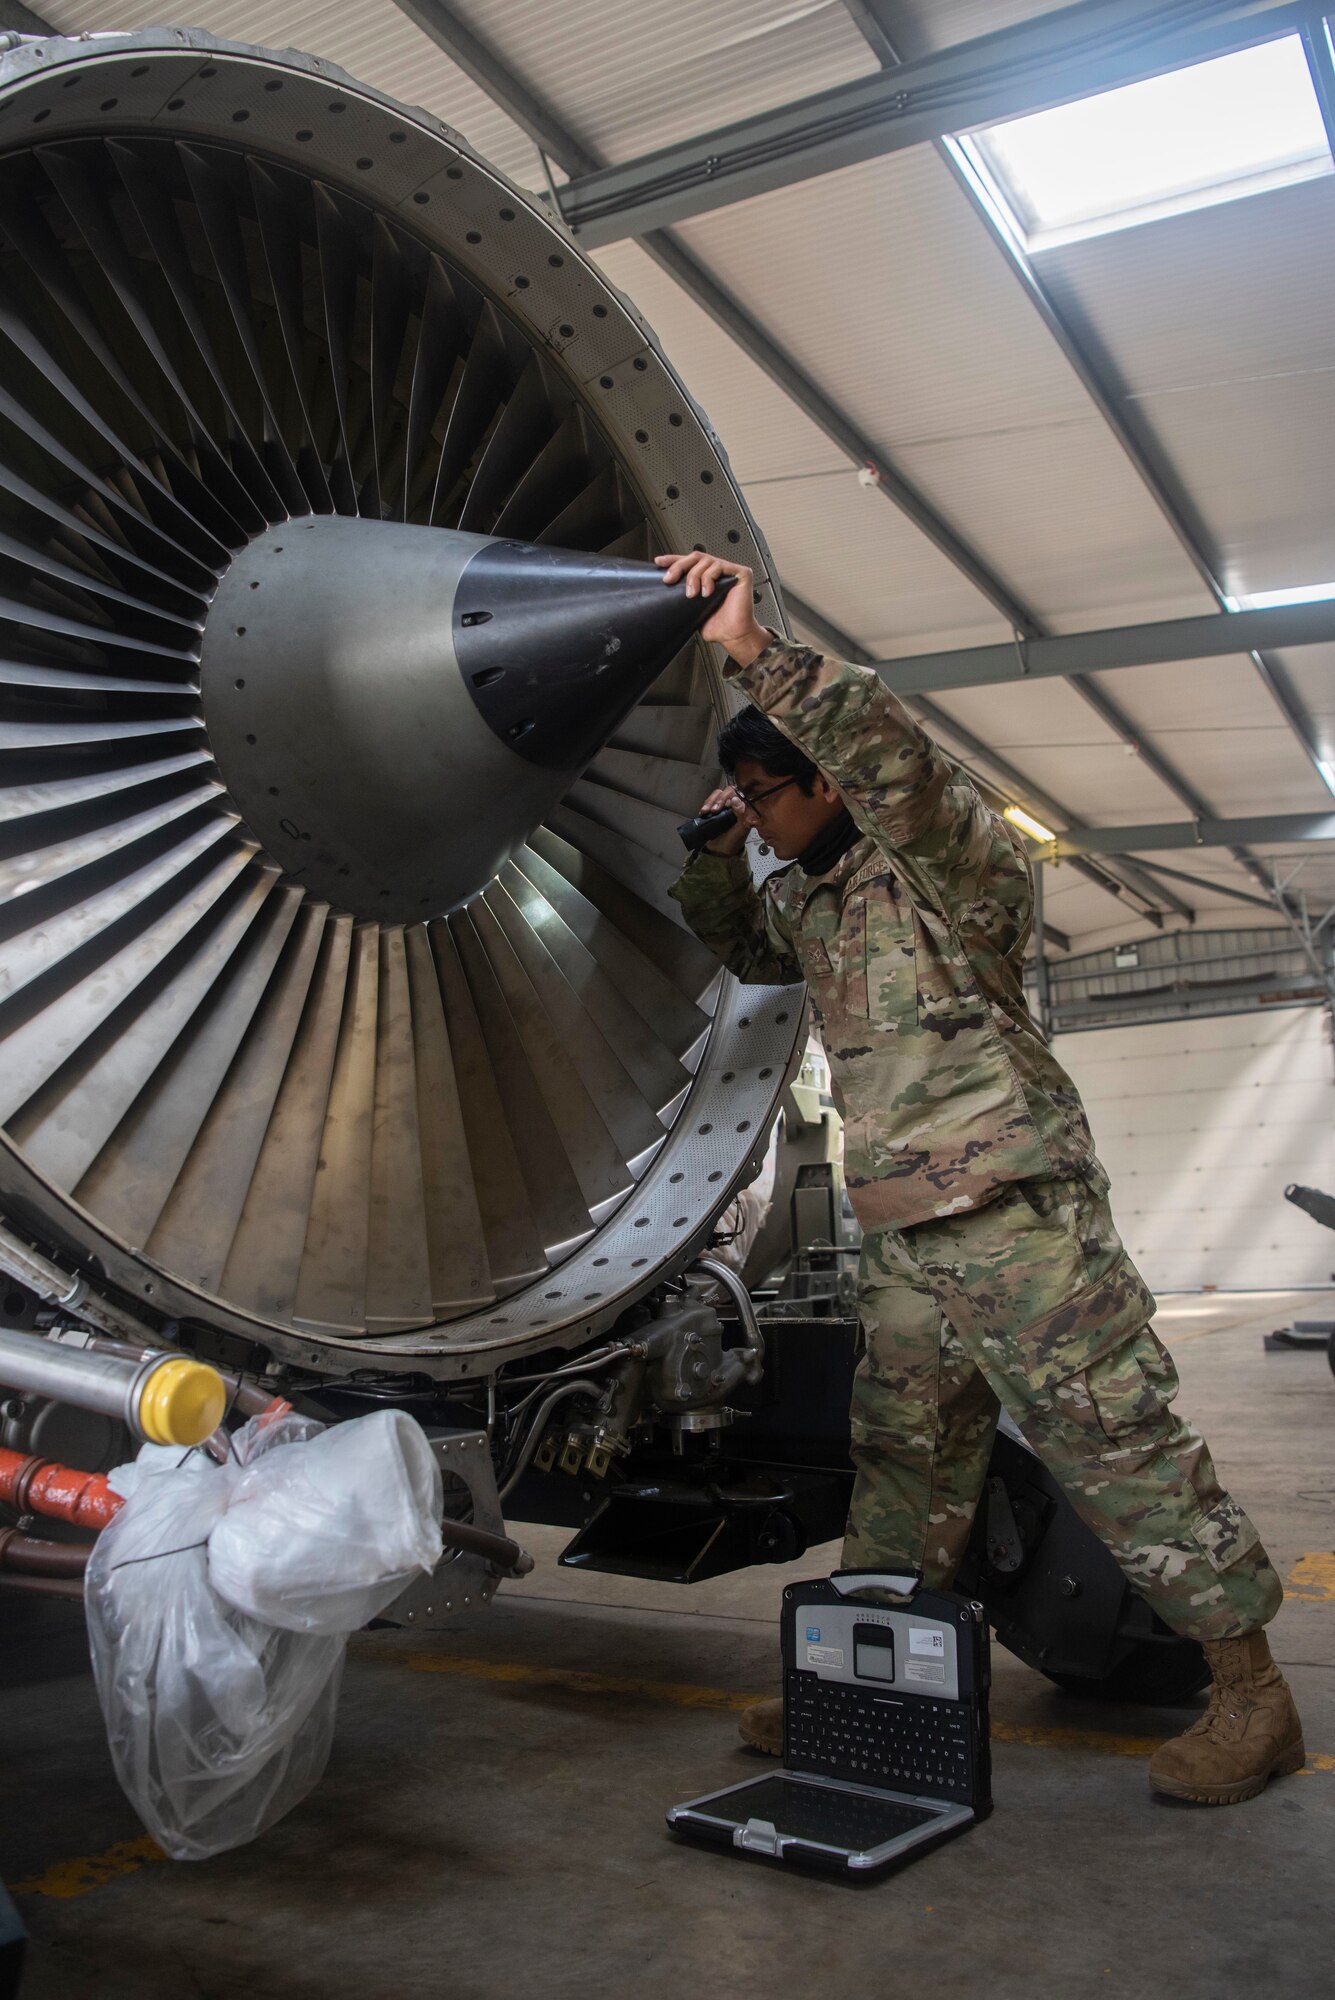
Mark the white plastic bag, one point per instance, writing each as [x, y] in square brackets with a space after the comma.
[219, 1721]
[320, 1536]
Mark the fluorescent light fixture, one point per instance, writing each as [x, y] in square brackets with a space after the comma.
[1234, 126]
[1266, 600]
[1327, 771]
[1028, 824]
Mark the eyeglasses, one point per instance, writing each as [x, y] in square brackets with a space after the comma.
[756, 801]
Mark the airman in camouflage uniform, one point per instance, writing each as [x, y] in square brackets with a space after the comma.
[992, 1274]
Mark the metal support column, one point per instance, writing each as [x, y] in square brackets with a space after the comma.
[1041, 957]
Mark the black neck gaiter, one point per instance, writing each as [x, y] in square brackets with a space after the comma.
[830, 845]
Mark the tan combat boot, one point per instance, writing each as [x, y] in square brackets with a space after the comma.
[1249, 1734]
[761, 1726]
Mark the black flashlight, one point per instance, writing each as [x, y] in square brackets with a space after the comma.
[698, 832]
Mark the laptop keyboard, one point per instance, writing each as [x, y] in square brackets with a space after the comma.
[906, 1743]
[836, 1819]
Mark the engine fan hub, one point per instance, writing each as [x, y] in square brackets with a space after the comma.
[394, 708]
[340, 724]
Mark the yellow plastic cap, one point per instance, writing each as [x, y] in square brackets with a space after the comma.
[181, 1402]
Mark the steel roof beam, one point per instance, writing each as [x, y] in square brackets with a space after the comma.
[21, 20]
[1275, 828]
[443, 24]
[1026, 67]
[1022, 789]
[1213, 636]
[1172, 502]
[1224, 889]
[557, 143]
[1155, 475]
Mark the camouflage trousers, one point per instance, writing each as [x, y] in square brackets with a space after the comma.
[1032, 1304]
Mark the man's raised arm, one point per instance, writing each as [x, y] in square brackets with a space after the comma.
[898, 783]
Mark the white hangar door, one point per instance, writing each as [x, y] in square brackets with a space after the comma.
[1202, 1125]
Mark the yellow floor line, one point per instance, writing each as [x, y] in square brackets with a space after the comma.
[1312, 1578]
[66, 1879]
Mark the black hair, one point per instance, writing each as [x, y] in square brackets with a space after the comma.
[750, 736]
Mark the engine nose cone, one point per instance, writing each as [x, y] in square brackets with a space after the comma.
[394, 708]
[556, 648]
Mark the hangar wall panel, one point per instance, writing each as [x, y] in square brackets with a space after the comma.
[1202, 1125]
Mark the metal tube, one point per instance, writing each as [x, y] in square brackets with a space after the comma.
[39, 1558]
[539, 1424]
[102, 1382]
[244, 1396]
[498, 1550]
[43, 1586]
[746, 1311]
[58, 1288]
[164, 1398]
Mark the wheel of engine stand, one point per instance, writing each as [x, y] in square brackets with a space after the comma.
[1153, 1674]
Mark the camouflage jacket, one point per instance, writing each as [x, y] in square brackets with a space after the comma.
[913, 949]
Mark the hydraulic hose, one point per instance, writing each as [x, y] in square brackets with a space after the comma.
[539, 1424]
[43, 1586]
[39, 1558]
[498, 1550]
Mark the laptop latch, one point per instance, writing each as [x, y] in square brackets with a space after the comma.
[758, 1836]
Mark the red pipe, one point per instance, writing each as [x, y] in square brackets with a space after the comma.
[40, 1486]
[39, 1558]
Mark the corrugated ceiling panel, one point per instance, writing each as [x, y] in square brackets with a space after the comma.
[1014, 713]
[890, 290]
[629, 79]
[1311, 673]
[1105, 783]
[1302, 869]
[372, 39]
[857, 559]
[764, 432]
[1059, 512]
[1226, 693]
[1265, 773]
[1093, 919]
[843, 548]
[1220, 327]
[1217, 722]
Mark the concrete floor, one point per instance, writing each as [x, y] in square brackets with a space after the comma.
[491, 1820]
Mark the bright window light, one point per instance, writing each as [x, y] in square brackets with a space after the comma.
[1233, 126]
[1266, 600]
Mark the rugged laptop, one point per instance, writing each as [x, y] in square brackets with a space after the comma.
[885, 1749]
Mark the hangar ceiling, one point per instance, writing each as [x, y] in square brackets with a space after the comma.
[1135, 427]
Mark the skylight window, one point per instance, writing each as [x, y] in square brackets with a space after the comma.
[1267, 600]
[1233, 126]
